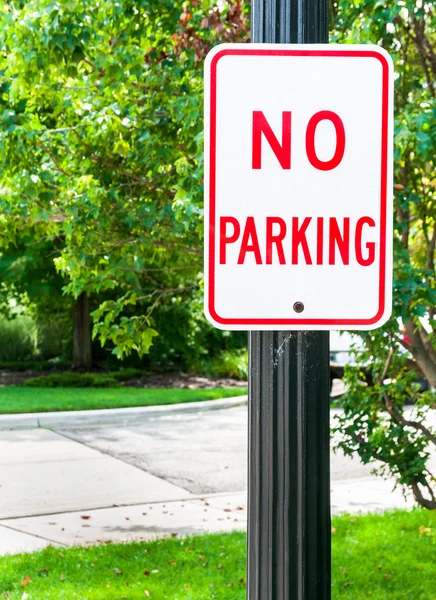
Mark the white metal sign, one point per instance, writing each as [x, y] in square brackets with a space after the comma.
[298, 181]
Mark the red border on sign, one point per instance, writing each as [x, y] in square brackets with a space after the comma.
[383, 185]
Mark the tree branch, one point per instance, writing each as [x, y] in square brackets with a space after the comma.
[413, 484]
[425, 51]
[419, 497]
[178, 248]
[431, 265]
[422, 350]
[399, 418]
[54, 159]
[387, 365]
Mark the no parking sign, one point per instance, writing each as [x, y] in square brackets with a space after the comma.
[298, 174]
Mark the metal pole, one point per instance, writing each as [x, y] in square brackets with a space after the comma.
[289, 527]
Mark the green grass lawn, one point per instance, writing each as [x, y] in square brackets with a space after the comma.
[382, 557]
[14, 399]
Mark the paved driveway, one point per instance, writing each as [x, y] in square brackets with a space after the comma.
[203, 452]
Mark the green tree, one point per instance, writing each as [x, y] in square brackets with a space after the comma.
[101, 148]
[377, 423]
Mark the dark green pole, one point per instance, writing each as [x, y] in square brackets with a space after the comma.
[289, 526]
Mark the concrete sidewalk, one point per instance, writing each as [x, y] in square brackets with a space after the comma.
[42, 472]
[142, 522]
[55, 490]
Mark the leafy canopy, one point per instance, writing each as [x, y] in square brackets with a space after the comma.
[101, 147]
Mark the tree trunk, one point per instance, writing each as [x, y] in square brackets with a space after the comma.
[82, 354]
[422, 351]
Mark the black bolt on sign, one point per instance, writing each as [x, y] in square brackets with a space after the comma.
[298, 230]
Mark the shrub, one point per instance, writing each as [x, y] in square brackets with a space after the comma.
[126, 374]
[186, 339]
[54, 333]
[17, 339]
[230, 363]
